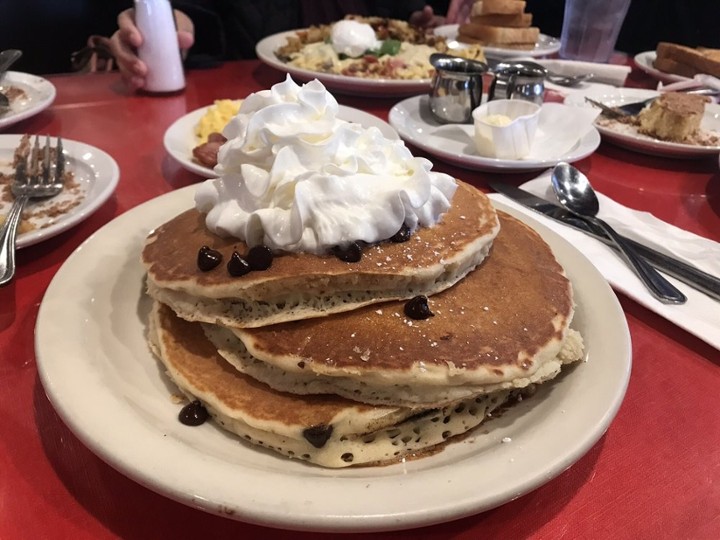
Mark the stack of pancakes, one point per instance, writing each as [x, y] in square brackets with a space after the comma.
[325, 360]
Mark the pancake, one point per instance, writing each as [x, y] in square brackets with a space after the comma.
[505, 326]
[300, 285]
[325, 430]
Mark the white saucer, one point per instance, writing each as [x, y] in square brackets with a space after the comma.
[95, 173]
[179, 139]
[628, 136]
[453, 142]
[645, 61]
[98, 372]
[39, 95]
[545, 46]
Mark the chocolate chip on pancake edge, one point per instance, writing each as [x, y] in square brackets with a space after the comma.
[318, 435]
[208, 258]
[237, 266]
[350, 253]
[417, 308]
[259, 257]
[403, 235]
[193, 414]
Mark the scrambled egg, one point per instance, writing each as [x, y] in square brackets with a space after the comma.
[216, 118]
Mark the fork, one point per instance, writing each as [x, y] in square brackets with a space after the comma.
[629, 109]
[40, 179]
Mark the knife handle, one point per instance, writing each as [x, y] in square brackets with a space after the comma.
[688, 274]
[684, 272]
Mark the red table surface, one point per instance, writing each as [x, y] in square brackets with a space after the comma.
[654, 474]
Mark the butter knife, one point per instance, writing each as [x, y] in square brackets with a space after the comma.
[688, 274]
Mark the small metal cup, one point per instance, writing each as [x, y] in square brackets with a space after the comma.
[456, 88]
[518, 80]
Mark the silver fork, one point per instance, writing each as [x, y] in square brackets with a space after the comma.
[40, 178]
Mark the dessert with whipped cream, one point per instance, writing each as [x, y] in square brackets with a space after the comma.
[334, 299]
[368, 47]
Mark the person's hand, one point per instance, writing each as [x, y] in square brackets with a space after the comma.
[125, 41]
[459, 11]
[426, 18]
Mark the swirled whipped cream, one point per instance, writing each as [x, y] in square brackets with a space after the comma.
[295, 177]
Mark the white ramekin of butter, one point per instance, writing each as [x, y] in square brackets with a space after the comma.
[505, 128]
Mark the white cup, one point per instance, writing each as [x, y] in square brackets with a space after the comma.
[505, 128]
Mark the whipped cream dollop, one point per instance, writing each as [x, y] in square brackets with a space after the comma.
[353, 38]
[295, 177]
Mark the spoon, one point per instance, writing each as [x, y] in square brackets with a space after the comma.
[570, 80]
[575, 193]
[7, 59]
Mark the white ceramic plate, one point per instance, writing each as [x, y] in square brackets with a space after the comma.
[265, 50]
[628, 136]
[39, 95]
[97, 371]
[545, 45]
[453, 143]
[95, 173]
[644, 62]
[179, 139]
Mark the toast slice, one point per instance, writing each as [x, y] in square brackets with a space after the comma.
[498, 35]
[687, 61]
[506, 7]
[515, 20]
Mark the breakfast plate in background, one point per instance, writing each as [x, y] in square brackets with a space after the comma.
[344, 84]
[35, 95]
[180, 139]
[85, 311]
[95, 176]
[545, 46]
[454, 142]
[645, 62]
[628, 136]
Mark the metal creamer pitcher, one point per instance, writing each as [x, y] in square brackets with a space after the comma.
[456, 87]
[518, 80]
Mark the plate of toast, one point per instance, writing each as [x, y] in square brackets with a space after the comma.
[671, 62]
[505, 30]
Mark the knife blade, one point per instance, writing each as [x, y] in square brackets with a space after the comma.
[688, 274]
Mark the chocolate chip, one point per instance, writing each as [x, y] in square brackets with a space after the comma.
[347, 457]
[417, 308]
[208, 258]
[318, 435]
[403, 235]
[237, 266]
[259, 258]
[349, 253]
[193, 414]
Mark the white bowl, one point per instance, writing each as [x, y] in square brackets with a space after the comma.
[505, 128]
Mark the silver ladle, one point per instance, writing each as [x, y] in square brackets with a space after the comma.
[575, 193]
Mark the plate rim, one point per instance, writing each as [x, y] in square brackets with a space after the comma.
[197, 486]
[450, 31]
[588, 144]
[643, 144]
[265, 51]
[29, 79]
[344, 111]
[88, 206]
[644, 61]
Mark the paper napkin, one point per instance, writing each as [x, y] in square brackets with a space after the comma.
[603, 73]
[700, 316]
